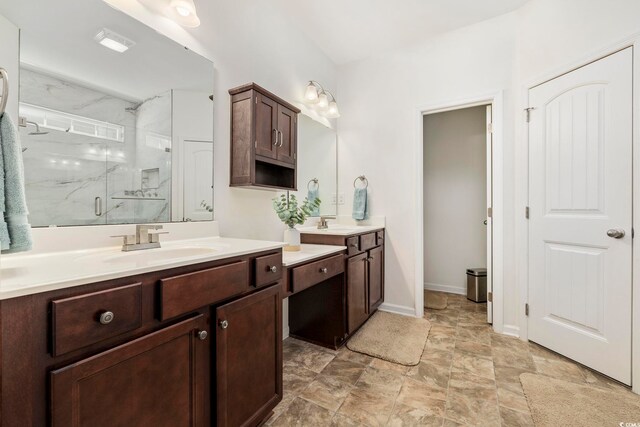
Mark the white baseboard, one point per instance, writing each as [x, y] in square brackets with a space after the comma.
[511, 330]
[398, 309]
[445, 288]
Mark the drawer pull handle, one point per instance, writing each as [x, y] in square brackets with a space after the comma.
[324, 270]
[370, 259]
[224, 324]
[202, 335]
[273, 269]
[107, 317]
[354, 245]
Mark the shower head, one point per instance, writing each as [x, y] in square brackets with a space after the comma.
[37, 131]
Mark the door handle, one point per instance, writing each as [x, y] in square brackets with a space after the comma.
[281, 138]
[98, 206]
[276, 137]
[616, 233]
[485, 222]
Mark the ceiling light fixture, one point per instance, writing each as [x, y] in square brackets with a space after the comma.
[113, 40]
[317, 97]
[184, 13]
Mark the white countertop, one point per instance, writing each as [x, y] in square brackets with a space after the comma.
[341, 230]
[33, 273]
[308, 253]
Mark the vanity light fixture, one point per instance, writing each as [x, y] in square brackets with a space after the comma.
[316, 96]
[113, 40]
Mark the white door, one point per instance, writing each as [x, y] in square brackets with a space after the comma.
[580, 142]
[489, 222]
[198, 181]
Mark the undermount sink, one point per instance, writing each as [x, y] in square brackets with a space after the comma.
[159, 255]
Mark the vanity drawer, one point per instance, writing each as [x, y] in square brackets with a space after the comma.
[380, 237]
[353, 246]
[185, 293]
[86, 319]
[368, 241]
[311, 274]
[268, 269]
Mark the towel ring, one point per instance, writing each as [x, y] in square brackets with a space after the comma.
[5, 90]
[363, 179]
[313, 181]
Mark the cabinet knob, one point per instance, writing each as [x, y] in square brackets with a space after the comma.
[273, 269]
[224, 324]
[107, 317]
[202, 335]
[324, 270]
[370, 259]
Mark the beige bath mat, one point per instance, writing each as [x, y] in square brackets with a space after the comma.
[561, 403]
[392, 337]
[435, 300]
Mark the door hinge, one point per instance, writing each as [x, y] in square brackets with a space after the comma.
[526, 212]
[529, 110]
[256, 144]
[633, 233]
[490, 296]
[295, 156]
[489, 212]
[490, 128]
[256, 98]
[526, 309]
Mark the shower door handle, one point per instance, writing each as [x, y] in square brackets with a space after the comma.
[97, 205]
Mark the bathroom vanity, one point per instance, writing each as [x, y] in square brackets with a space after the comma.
[331, 297]
[191, 341]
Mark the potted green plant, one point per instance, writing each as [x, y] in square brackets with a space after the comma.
[286, 206]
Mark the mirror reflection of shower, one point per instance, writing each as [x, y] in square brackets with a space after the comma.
[25, 123]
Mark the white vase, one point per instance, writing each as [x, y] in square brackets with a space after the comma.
[292, 239]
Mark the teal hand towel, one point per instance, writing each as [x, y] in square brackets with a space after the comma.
[360, 211]
[313, 195]
[15, 231]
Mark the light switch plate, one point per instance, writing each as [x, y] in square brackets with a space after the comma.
[341, 198]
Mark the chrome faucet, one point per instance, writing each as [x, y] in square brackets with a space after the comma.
[146, 237]
[322, 224]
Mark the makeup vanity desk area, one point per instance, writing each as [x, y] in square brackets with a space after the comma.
[333, 288]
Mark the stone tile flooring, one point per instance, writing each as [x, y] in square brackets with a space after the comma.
[468, 375]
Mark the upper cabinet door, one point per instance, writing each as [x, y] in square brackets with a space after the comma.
[287, 142]
[266, 127]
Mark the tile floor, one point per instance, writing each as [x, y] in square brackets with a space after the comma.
[468, 375]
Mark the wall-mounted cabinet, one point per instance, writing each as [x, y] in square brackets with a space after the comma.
[264, 138]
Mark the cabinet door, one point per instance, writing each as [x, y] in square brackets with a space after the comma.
[357, 301]
[266, 125]
[160, 379]
[376, 278]
[249, 358]
[288, 127]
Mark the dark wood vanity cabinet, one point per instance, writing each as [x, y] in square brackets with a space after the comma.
[264, 133]
[197, 345]
[160, 379]
[249, 358]
[364, 266]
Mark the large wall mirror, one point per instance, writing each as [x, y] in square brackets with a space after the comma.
[317, 164]
[116, 120]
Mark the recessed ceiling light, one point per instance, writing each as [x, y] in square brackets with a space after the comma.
[184, 13]
[113, 40]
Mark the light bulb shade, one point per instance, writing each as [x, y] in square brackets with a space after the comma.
[333, 112]
[184, 13]
[323, 101]
[311, 94]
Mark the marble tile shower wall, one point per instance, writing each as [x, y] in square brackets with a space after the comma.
[65, 172]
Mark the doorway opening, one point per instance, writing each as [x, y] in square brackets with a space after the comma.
[457, 201]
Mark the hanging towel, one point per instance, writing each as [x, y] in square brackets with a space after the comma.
[15, 231]
[360, 208]
[311, 196]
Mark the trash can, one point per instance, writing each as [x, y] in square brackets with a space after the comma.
[477, 284]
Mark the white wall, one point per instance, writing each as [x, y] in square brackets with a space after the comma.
[380, 99]
[247, 41]
[455, 197]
